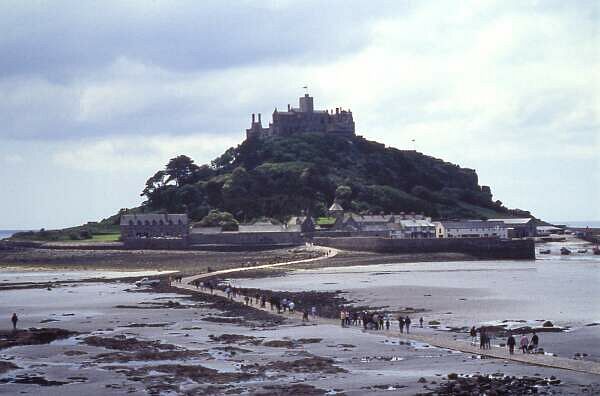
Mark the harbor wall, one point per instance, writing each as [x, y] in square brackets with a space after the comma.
[485, 248]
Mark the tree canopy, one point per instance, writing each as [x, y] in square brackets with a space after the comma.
[284, 176]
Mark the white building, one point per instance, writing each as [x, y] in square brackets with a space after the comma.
[471, 229]
[548, 230]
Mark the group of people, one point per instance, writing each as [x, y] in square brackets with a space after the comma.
[485, 340]
[259, 300]
[525, 344]
[374, 320]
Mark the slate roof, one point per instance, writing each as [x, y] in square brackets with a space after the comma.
[416, 223]
[471, 224]
[154, 217]
[514, 221]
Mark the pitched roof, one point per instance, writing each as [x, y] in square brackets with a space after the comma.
[416, 223]
[514, 221]
[336, 207]
[471, 224]
[154, 217]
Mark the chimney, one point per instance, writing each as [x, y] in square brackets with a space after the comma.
[259, 119]
[289, 107]
[337, 110]
[253, 117]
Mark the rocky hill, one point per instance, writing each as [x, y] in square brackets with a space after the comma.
[284, 176]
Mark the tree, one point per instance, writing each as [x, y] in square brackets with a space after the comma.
[180, 170]
[215, 218]
[154, 183]
[343, 195]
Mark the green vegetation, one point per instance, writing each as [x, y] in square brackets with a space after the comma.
[284, 176]
[325, 221]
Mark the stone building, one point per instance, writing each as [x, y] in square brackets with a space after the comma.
[154, 225]
[303, 119]
[401, 225]
[415, 228]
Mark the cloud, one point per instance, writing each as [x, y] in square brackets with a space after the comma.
[63, 39]
[117, 88]
[144, 154]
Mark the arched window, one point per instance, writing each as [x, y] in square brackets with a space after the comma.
[140, 222]
[130, 222]
[147, 222]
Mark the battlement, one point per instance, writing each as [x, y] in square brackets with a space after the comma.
[303, 119]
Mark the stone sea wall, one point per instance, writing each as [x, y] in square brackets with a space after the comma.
[485, 248]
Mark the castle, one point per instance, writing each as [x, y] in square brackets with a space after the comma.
[303, 119]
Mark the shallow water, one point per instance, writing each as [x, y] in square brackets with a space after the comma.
[563, 290]
[17, 275]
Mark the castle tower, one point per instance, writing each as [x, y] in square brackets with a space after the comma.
[306, 104]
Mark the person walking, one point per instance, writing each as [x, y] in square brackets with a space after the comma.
[305, 315]
[473, 334]
[511, 342]
[14, 319]
[387, 322]
[534, 342]
[421, 322]
[482, 338]
[401, 324]
[407, 324]
[524, 343]
[313, 311]
[343, 318]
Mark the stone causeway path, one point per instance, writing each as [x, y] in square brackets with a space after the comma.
[433, 339]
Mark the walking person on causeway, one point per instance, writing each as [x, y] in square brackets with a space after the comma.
[14, 320]
[473, 334]
[511, 342]
[401, 323]
[407, 324]
[534, 342]
[524, 342]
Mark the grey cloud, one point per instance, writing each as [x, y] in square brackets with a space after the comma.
[60, 40]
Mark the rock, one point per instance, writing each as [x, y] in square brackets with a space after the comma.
[452, 376]
[434, 323]
[422, 380]
[548, 324]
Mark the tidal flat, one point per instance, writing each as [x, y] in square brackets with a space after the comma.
[122, 339]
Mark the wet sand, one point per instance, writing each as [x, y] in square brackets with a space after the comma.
[163, 341]
[166, 341]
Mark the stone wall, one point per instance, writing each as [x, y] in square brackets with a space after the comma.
[485, 248]
[157, 243]
[247, 238]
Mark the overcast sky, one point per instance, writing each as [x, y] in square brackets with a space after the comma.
[97, 96]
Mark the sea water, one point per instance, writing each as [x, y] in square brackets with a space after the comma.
[563, 290]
